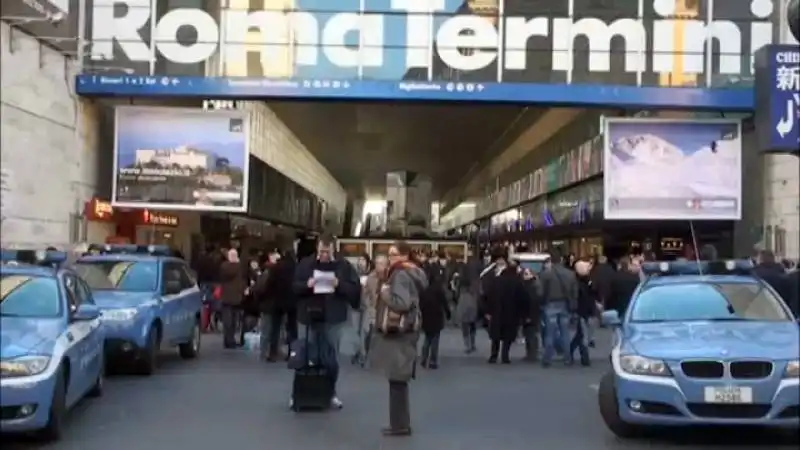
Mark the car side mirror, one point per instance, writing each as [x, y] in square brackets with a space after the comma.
[172, 287]
[85, 313]
[610, 318]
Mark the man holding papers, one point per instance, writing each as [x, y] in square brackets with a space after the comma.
[326, 288]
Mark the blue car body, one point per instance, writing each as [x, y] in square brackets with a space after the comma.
[132, 312]
[69, 345]
[715, 372]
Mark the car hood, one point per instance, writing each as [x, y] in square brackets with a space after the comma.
[121, 299]
[746, 339]
[23, 336]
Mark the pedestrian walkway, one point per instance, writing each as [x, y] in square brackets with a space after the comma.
[229, 399]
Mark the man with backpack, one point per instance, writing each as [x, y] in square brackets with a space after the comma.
[559, 293]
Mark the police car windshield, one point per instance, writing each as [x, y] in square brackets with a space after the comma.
[29, 296]
[131, 276]
[533, 266]
[718, 301]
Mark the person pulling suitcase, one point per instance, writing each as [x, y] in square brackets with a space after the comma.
[326, 288]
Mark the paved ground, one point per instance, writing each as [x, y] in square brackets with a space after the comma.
[229, 400]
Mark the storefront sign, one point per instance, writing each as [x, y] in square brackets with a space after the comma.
[778, 99]
[158, 218]
[99, 210]
[673, 169]
[181, 159]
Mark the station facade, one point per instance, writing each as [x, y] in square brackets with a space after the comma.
[620, 59]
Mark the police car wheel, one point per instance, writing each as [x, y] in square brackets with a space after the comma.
[99, 383]
[149, 361]
[609, 410]
[58, 409]
[191, 349]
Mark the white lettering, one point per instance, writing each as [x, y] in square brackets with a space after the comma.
[419, 29]
[451, 42]
[286, 39]
[599, 35]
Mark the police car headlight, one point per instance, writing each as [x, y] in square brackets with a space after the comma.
[639, 365]
[24, 366]
[119, 315]
[792, 369]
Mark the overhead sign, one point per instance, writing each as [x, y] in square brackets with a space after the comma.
[579, 95]
[439, 49]
[180, 159]
[778, 99]
[672, 169]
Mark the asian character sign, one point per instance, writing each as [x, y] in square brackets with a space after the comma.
[778, 98]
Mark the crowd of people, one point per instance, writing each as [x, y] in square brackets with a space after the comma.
[404, 297]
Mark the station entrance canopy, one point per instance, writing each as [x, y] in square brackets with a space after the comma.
[621, 53]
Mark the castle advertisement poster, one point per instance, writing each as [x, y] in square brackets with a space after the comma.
[659, 169]
[180, 159]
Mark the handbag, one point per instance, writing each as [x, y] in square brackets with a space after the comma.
[388, 321]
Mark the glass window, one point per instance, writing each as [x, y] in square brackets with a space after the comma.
[29, 296]
[533, 266]
[134, 276]
[708, 301]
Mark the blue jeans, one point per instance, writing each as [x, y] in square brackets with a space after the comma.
[556, 328]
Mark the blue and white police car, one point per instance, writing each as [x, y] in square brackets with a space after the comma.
[148, 299]
[702, 343]
[51, 350]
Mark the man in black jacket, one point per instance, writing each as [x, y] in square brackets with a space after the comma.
[326, 288]
[768, 269]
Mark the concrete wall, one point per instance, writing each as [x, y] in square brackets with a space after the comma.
[48, 169]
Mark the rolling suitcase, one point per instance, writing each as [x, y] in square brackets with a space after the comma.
[313, 386]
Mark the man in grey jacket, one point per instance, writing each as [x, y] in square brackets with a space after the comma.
[559, 291]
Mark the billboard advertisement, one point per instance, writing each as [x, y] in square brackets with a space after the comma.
[581, 52]
[180, 159]
[672, 169]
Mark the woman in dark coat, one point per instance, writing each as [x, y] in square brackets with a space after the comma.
[435, 312]
[505, 302]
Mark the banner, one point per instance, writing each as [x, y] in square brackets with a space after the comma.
[673, 169]
[180, 159]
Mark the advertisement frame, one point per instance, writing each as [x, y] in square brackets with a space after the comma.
[244, 115]
[608, 215]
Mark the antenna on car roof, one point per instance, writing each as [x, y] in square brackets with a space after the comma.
[696, 248]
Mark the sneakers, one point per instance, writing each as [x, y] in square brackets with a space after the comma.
[335, 403]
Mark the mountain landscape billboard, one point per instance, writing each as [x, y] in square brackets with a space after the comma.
[658, 169]
[180, 159]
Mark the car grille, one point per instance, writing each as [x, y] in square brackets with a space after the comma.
[750, 370]
[703, 369]
[718, 411]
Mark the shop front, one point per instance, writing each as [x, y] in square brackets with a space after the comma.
[98, 223]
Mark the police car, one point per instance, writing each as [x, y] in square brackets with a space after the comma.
[148, 299]
[51, 351]
[702, 343]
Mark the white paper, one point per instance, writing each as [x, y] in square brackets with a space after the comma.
[324, 282]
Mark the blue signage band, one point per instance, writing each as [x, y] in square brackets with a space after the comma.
[586, 95]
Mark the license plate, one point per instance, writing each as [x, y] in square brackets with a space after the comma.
[730, 395]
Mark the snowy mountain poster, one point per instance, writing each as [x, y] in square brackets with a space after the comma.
[663, 169]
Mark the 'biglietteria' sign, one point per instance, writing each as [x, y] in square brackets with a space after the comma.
[464, 40]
